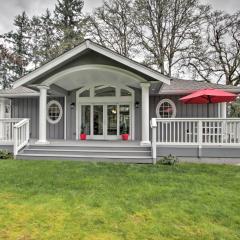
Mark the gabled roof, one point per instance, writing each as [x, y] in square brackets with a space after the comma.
[18, 92]
[87, 44]
[180, 86]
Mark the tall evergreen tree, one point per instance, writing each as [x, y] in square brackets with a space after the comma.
[43, 39]
[69, 23]
[18, 42]
[49, 36]
[35, 33]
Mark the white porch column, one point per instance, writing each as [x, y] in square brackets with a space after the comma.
[224, 110]
[43, 115]
[145, 113]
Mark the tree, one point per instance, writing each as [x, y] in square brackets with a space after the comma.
[15, 50]
[44, 44]
[111, 25]
[69, 22]
[35, 33]
[167, 30]
[8, 61]
[217, 57]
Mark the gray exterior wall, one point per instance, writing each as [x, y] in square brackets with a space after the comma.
[8, 148]
[184, 110]
[71, 116]
[193, 151]
[29, 108]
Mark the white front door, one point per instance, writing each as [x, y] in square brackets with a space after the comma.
[105, 121]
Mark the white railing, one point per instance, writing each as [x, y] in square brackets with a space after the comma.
[14, 132]
[6, 130]
[20, 135]
[188, 131]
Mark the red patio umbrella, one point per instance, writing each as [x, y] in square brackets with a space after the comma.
[207, 96]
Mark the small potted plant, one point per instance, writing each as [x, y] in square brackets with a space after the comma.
[83, 135]
[124, 132]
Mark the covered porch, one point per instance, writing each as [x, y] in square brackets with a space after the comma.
[181, 137]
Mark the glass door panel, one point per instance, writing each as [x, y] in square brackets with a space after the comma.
[112, 120]
[86, 119]
[124, 111]
[98, 120]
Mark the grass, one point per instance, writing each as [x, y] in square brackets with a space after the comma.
[71, 200]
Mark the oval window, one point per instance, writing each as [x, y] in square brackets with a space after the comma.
[166, 109]
[54, 113]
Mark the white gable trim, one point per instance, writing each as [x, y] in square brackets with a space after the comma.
[95, 47]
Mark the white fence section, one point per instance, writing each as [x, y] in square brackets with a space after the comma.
[14, 132]
[6, 130]
[21, 135]
[200, 132]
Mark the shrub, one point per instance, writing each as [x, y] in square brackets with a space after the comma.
[168, 160]
[5, 154]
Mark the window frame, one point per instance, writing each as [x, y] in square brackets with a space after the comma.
[60, 112]
[169, 101]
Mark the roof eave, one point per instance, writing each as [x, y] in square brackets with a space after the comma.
[181, 92]
[19, 95]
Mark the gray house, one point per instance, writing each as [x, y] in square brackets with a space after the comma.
[94, 90]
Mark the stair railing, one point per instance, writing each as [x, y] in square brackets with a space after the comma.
[20, 135]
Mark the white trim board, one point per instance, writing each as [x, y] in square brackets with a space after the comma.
[97, 48]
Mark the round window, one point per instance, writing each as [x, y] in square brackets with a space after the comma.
[54, 112]
[166, 109]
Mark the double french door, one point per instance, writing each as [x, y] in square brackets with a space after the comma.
[105, 121]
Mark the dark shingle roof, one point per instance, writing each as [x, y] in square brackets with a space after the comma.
[180, 86]
[19, 91]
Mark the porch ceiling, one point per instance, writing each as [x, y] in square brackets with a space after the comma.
[75, 79]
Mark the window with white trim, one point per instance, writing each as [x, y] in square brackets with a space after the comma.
[54, 112]
[166, 108]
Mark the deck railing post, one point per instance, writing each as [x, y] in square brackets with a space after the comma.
[154, 140]
[27, 131]
[15, 141]
[200, 137]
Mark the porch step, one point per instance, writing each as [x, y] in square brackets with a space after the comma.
[98, 152]
[131, 154]
[90, 147]
[86, 158]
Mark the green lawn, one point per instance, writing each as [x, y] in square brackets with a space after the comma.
[70, 200]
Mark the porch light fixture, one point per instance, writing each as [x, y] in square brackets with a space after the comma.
[72, 105]
[137, 104]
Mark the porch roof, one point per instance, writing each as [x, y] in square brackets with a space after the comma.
[81, 49]
[18, 92]
[181, 86]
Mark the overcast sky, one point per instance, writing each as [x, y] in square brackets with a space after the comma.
[10, 8]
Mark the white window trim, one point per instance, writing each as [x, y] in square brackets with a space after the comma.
[174, 113]
[60, 114]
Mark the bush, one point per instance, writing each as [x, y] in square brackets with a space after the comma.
[5, 154]
[168, 160]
